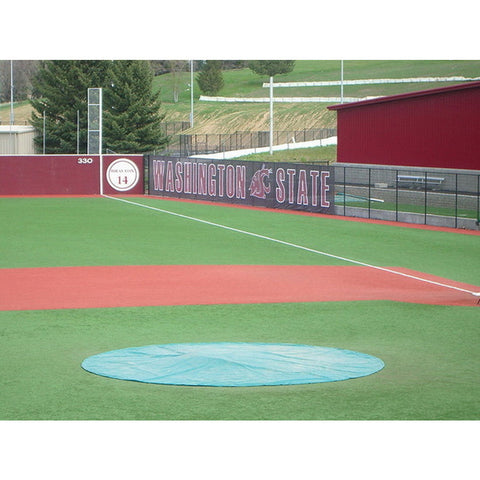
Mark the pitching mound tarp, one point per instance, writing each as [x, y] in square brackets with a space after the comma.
[232, 364]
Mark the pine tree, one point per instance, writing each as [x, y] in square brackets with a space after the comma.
[60, 89]
[210, 78]
[131, 110]
[131, 115]
[270, 68]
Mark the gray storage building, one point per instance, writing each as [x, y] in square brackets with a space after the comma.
[17, 139]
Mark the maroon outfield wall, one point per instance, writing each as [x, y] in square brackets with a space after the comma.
[70, 174]
[262, 184]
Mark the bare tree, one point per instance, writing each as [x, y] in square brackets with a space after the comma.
[23, 71]
[176, 67]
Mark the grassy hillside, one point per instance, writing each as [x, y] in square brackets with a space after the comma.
[228, 117]
[22, 112]
[326, 155]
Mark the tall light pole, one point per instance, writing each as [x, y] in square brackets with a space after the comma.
[191, 93]
[12, 116]
[271, 115]
[341, 80]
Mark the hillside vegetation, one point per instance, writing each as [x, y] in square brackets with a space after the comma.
[212, 117]
[325, 155]
[229, 117]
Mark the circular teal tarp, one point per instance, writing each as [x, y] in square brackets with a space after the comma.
[232, 364]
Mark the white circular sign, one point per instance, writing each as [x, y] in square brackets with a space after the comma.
[122, 174]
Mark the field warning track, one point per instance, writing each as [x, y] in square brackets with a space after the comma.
[156, 285]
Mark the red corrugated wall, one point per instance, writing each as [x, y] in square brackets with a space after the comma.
[435, 130]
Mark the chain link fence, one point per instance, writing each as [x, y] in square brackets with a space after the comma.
[184, 145]
[172, 128]
[431, 197]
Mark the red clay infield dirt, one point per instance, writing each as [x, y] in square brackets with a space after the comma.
[151, 285]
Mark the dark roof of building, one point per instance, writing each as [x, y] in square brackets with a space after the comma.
[403, 96]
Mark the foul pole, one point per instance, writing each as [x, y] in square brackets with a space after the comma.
[94, 142]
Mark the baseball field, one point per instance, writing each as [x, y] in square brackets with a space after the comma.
[84, 275]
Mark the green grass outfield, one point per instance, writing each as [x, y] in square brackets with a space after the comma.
[430, 352]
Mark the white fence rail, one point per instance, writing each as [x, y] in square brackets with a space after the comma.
[283, 99]
[370, 81]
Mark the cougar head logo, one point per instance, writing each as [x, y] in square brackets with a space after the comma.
[257, 187]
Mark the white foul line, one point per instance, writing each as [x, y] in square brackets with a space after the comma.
[319, 252]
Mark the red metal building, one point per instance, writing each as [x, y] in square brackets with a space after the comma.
[431, 128]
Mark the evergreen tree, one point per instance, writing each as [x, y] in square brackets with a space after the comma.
[210, 78]
[131, 110]
[270, 68]
[60, 88]
[131, 114]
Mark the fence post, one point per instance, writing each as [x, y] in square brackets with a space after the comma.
[44, 132]
[396, 195]
[478, 199]
[456, 200]
[425, 192]
[369, 189]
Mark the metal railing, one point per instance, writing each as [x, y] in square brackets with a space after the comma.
[185, 145]
[172, 128]
[430, 197]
